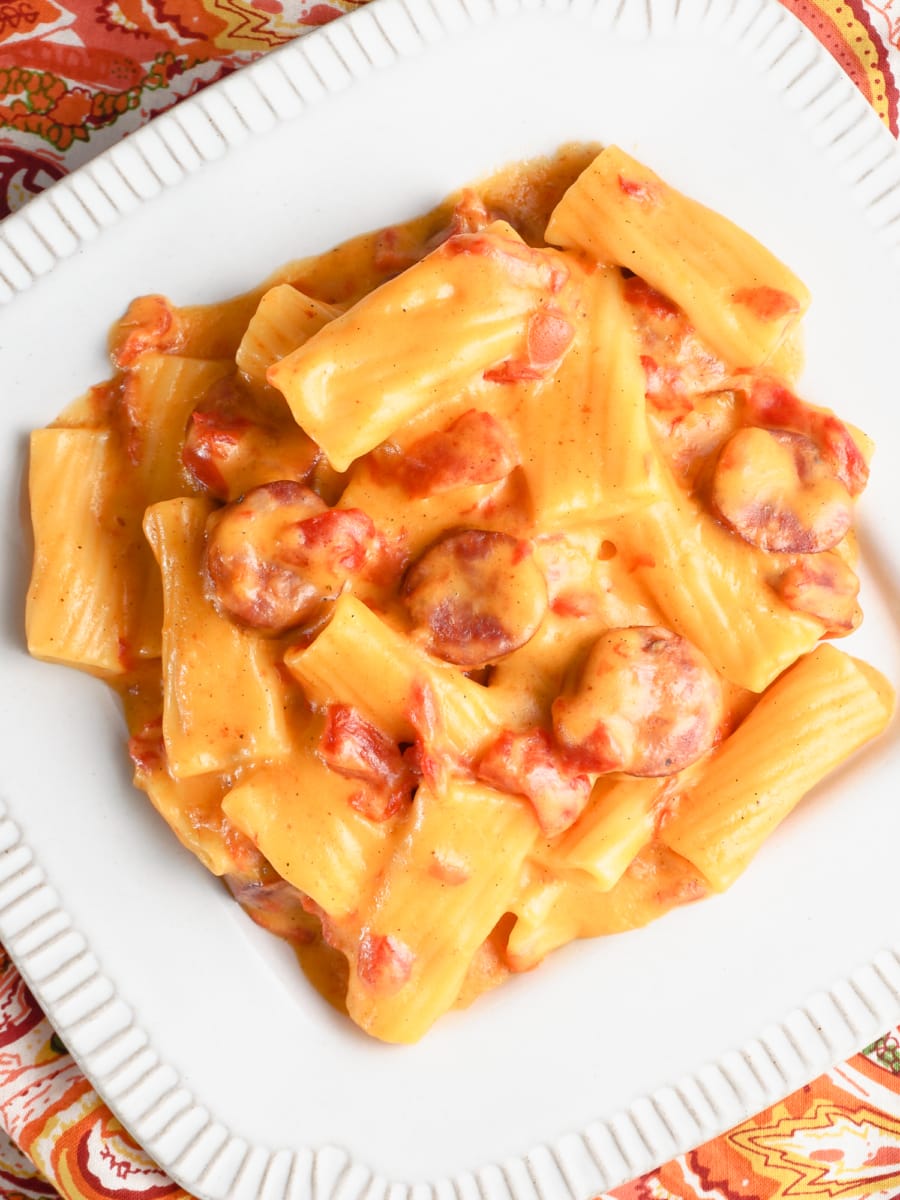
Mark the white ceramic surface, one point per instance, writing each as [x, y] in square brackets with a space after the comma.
[195, 1026]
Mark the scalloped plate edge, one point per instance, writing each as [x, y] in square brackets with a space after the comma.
[55, 959]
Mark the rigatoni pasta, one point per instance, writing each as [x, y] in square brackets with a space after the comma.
[469, 588]
[86, 600]
[303, 817]
[808, 722]
[224, 700]
[737, 294]
[590, 453]
[418, 340]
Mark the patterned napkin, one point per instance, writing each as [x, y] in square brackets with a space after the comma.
[75, 78]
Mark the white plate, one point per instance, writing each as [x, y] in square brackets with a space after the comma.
[195, 1026]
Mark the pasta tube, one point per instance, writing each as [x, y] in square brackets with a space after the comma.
[418, 340]
[552, 908]
[160, 393]
[807, 723]
[284, 320]
[589, 448]
[359, 660]
[301, 815]
[452, 878]
[89, 489]
[617, 824]
[206, 656]
[739, 296]
[192, 808]
[93, 601]
[693, 567]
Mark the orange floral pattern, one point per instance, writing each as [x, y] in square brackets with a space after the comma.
[836, 1139]
[848, 32]
[74, 79]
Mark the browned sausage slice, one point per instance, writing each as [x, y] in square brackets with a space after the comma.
[273, 556]
[646, 702]
[475, 596]
[775, 489]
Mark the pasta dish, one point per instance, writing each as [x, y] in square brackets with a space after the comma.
[471, 587]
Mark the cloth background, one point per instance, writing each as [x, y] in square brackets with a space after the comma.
[77, 76]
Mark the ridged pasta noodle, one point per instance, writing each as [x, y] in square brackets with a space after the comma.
[808, 722]
[742, 300]
[208, 658]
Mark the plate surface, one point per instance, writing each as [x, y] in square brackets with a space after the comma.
[196, 1027]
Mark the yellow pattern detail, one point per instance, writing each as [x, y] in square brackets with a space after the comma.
[828, 1153]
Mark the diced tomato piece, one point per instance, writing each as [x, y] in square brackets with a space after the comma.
[665, 387]
[575, 604]
[771, 404]
[388, 254]
[476, 448]
[149, 324]
[212, 437]
[548, 336]
[640, 559]
[642, 190]
[354, 747]
[767, 303]
[383, 962]
[531, 765]
[146, 748]
[340, 537]
[640, 294]
[470, 214]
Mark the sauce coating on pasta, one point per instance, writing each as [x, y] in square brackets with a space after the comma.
[469, 587]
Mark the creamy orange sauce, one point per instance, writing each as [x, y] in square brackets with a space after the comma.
[529, 652]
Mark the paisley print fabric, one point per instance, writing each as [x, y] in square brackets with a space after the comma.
[76, 77]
